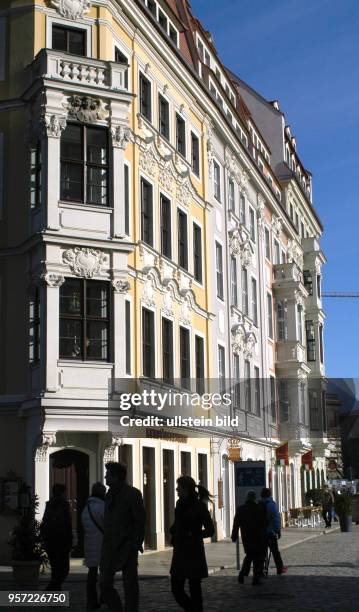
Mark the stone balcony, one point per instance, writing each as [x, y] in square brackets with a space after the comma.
[291, 353]
[79, 71]
[286, 274]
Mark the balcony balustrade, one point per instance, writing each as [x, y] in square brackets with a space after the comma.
[79, 70]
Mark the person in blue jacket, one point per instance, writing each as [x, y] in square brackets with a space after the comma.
[273, 529]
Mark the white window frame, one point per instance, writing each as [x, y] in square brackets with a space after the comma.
[80, 25]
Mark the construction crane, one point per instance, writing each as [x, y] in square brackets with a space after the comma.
[340, 294]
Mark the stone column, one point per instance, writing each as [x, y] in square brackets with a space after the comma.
[53, 283]
[42, 469]
[121, 136]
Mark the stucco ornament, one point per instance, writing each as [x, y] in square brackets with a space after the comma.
[121, 136]
[54, 125]
[52, 279]
[46, 439]
[86, 109]
[120, 285]
[148, 162]
[238, 335]
[84, 262]
[183, 193]
[185, 312]
[148, 294]
[167, 304]
[72, 9]
[294, 253]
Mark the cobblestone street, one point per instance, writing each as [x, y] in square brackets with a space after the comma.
[323, 577]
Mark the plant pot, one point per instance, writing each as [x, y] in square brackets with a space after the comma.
[26, 573]
[345, 523]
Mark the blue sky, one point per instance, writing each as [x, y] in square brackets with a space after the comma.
[305, 54]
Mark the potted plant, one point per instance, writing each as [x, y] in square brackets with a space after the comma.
[26, 545]
[343, 506]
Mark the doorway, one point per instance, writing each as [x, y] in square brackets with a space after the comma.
[168, 492]
[71, 468]
[149, 496]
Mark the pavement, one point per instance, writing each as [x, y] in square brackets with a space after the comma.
[323, 576]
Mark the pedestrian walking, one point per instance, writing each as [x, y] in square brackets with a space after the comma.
[124, 530]
[251, 519]
[192, 524]
[327, 499]
[92, 519]
[56, 532]
[273, 529]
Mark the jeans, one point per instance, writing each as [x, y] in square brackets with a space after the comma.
[92, 599]
[191, 603]
[111, 597]
[327, 516]
[273, 547]
[60, 567]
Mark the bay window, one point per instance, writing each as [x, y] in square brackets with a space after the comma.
[85, 320]
[84, 165]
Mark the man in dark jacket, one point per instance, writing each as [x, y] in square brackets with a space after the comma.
[327, 500]
[273, 529]
[56, 531]
[250, 518]
[124, 531]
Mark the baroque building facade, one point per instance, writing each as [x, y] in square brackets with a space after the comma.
[156, 225]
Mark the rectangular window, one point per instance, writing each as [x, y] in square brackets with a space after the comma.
[84, 164]
[270, 315]
[202, 470]
[152, 7]
[242, 210]
[257, 392]
[217, 181]
[166, 240]
[128, 336]
[195, 154]
[173, 34]
[254, 302]
[35, 176]
[146, 212]
[282, 331]
[180, 135]
[197, 253]
[69, 40]
[231, 199]
[310, 338]
[300, 323]
[319, 287]
[276, 252]
[283, 401]
[182, 240]
[321, 345]
[145, 98]
[120, 58]
[236, 382]
[34, 326]
[272, 390]
[167, 351]
[199, 357]
[221, 369]
[244, 291]
[163, 117]
[219, 271]
[252, 226]
[234, 283]
[267, 242]
[127, 199]
[148, 343]
[84, 320]
[162, 20]
[247, 386]
[314, 417]
[308, 281]
[185, 363]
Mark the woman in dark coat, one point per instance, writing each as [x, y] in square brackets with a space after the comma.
[192, 524]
